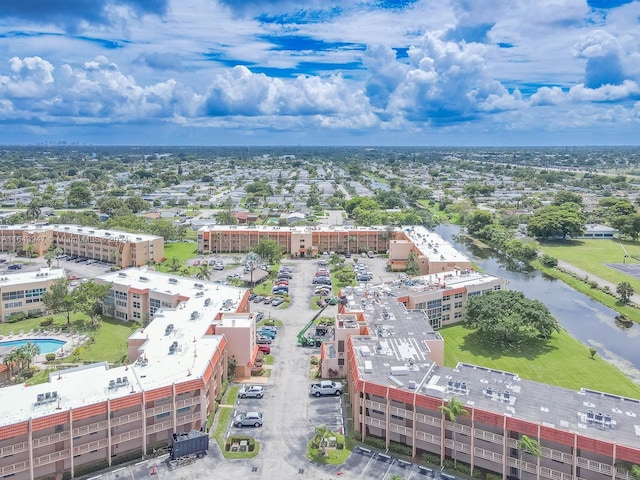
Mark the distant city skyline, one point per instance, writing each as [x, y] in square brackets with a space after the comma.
[351, 72]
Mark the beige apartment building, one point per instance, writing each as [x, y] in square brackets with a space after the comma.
[299, 241]
[22, 292]
[393, 362]
[113, 246]
[434, 254]
[94, 416]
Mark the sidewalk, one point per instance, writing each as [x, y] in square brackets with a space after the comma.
[567, 267]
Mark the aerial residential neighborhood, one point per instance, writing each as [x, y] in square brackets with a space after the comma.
[223, 311]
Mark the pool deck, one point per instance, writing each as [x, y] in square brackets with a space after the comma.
[71, 341]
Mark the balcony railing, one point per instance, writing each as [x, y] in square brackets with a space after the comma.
[49, 439]
[91, 446]
[557, 455]
[159, 427]
[427, 419]
[91, 428]
[14, 468]
[488, 455]
[488, 436]
[394, 427]
[126, 436]
[13, 449]
[428, 437]
[132, 417]
[595, 466]
[51, 457]
[167, 407]
[554, 474]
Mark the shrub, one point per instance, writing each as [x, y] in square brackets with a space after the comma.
[50, 357]
[593, 284]
[549, 261]
[314, 360]
[431, 458]
[375, 442]
[46, 322]
[16, 317]
[400, 448]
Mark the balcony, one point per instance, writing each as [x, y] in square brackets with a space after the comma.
[91, 428]
[13, 449]
[488, 436]
[159, 427]
[594, 466]
[91, 446]
[126, 436]
[49, 439]
[14, 468]
[51, 458]
[488, 455]
[124, 419]
[428, 437]
[167, 407]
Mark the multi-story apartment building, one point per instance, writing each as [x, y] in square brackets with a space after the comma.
[434, 255]
[393, 362]
[22, 292]
[94, 416]
[299, 241]
[443, 296]
[121, 248]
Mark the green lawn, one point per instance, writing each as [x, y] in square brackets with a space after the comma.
[181, 250]
[593, 255]
[110, 342]
[562, 361]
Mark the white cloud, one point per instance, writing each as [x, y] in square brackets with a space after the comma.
[547, 96]
[605, 93]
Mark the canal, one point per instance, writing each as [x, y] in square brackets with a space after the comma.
[587, 320]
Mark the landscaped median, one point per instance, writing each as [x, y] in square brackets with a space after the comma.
[329, 448]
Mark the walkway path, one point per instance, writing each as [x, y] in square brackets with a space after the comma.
[562, 265]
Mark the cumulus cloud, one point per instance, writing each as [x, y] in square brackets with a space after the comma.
[241, 92]
[547, 96]
[605, 93]
[96, 91]
[602, 51]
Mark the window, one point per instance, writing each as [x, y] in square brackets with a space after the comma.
[136, 304]
[457, 305]
[135, 295]
[13, 295]
[473, 294]
[434, 303]
[446, 298]
[154, 305]
[341, 361]
[136, 315]
[458, 315]
[122, 315]
[446, 308]
[13, 305]
[163, 415]
[497, 287]
[458, 295]
[183, 409]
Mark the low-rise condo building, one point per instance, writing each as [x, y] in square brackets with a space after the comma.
[94, 416]
[113, 246]
[22, 292]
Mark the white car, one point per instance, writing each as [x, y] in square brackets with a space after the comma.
[251, 391]
[249, 419]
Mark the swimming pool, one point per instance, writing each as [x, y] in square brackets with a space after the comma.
[47, 345]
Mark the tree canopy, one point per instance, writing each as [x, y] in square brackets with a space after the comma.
[268, 249]
[509, 317]
[556, 222]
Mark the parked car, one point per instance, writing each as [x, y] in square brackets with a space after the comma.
[266, 333]
[326, 387]
[251, 391]
[258, 299]
[277, 301]
[263, 340]
[249, 419]
[196, 263]
[259, 316]
[266, 349]
[218, 266]
[15, 266]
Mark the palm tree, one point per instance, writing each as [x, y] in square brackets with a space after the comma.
[530, 446]
[49, 256]
[29, 351]
[252, 260]
[204, 272]
[57, 252]
[10, 360]
[453, 409]
[175, 264]
[34, 210]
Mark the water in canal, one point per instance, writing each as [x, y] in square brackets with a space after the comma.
[584, 318]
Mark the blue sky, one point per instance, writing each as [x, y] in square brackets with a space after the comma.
[320, 72]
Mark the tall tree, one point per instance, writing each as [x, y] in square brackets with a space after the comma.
[204, 271]
[530, 446]
[625, 290]
[34, 209]
[57, 299]
[413, 267]
[453, 409]
[88, 297]
[509, 317]
[268, 249]
[556, 222]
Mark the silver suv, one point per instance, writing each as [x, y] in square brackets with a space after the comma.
[249, 391]
[249, 419]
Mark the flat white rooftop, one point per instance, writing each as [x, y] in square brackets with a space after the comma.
[167, 357]
[14, 279]
[296, 229]
[86, 231]
[433, 246]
